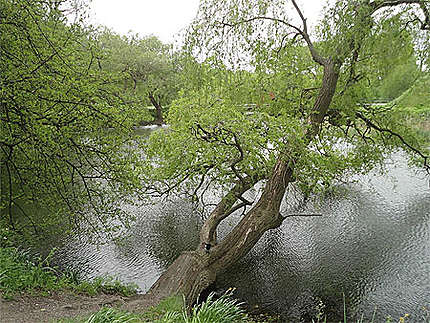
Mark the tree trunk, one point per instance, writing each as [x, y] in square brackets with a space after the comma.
[158, 110]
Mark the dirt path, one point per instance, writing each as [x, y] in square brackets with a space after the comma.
[37, 309]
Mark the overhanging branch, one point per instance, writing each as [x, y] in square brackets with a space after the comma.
[398, 136]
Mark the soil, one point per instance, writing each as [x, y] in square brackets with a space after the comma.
[56, 306]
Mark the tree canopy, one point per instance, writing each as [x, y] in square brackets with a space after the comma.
[64, 124]
[150, 68]
[257, 86]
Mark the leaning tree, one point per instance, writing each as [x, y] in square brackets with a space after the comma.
[273, 106]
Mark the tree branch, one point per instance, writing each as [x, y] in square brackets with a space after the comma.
[225, 208]
[302, 32]
[392, 133]
[300, 214]
[376, 5]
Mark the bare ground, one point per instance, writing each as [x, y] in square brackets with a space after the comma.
[59, 305]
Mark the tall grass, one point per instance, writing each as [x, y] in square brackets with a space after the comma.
[222, 310]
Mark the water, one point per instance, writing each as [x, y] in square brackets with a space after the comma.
[370, 248]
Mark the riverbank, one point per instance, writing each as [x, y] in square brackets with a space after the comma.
[32, 291]
[57, 306]
[68, 307]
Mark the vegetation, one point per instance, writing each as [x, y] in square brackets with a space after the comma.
[20, 273]
[221, 310]
[256, 100]
[151, 71]
[58, 111]
[171, 310]
[416, 99]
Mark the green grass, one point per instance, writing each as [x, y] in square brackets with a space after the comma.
[172, 310]
[222, 310]
[111, 315]
[21, 272]
[416, 100]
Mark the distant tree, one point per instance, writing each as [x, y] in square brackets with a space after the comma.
[149, 66]
[64, 128]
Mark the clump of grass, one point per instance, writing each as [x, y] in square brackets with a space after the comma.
[19, 274]
[222, 310]
[106, 285]
[168, 307]
[111, 315]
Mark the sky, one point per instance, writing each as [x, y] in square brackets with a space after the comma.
[162, 18]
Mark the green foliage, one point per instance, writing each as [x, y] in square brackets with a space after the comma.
[18, 273]
[66, 131]
[416, 100]
[398, 80]
[150, 69]
[226, 126]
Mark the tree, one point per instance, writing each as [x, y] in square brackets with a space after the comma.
[399, 80]
[315, 130]
[63, 124]
[149, 66]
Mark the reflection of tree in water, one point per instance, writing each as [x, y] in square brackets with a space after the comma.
[346, 251]
[171, 229]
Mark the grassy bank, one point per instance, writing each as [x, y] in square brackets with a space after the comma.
[21, 272]
[221, 310]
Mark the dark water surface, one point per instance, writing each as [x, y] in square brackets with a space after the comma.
[370, 248]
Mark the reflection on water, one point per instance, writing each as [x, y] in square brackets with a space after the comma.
[370, 248]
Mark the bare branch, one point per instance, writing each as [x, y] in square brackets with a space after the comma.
[304, 33]
[301, 214]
